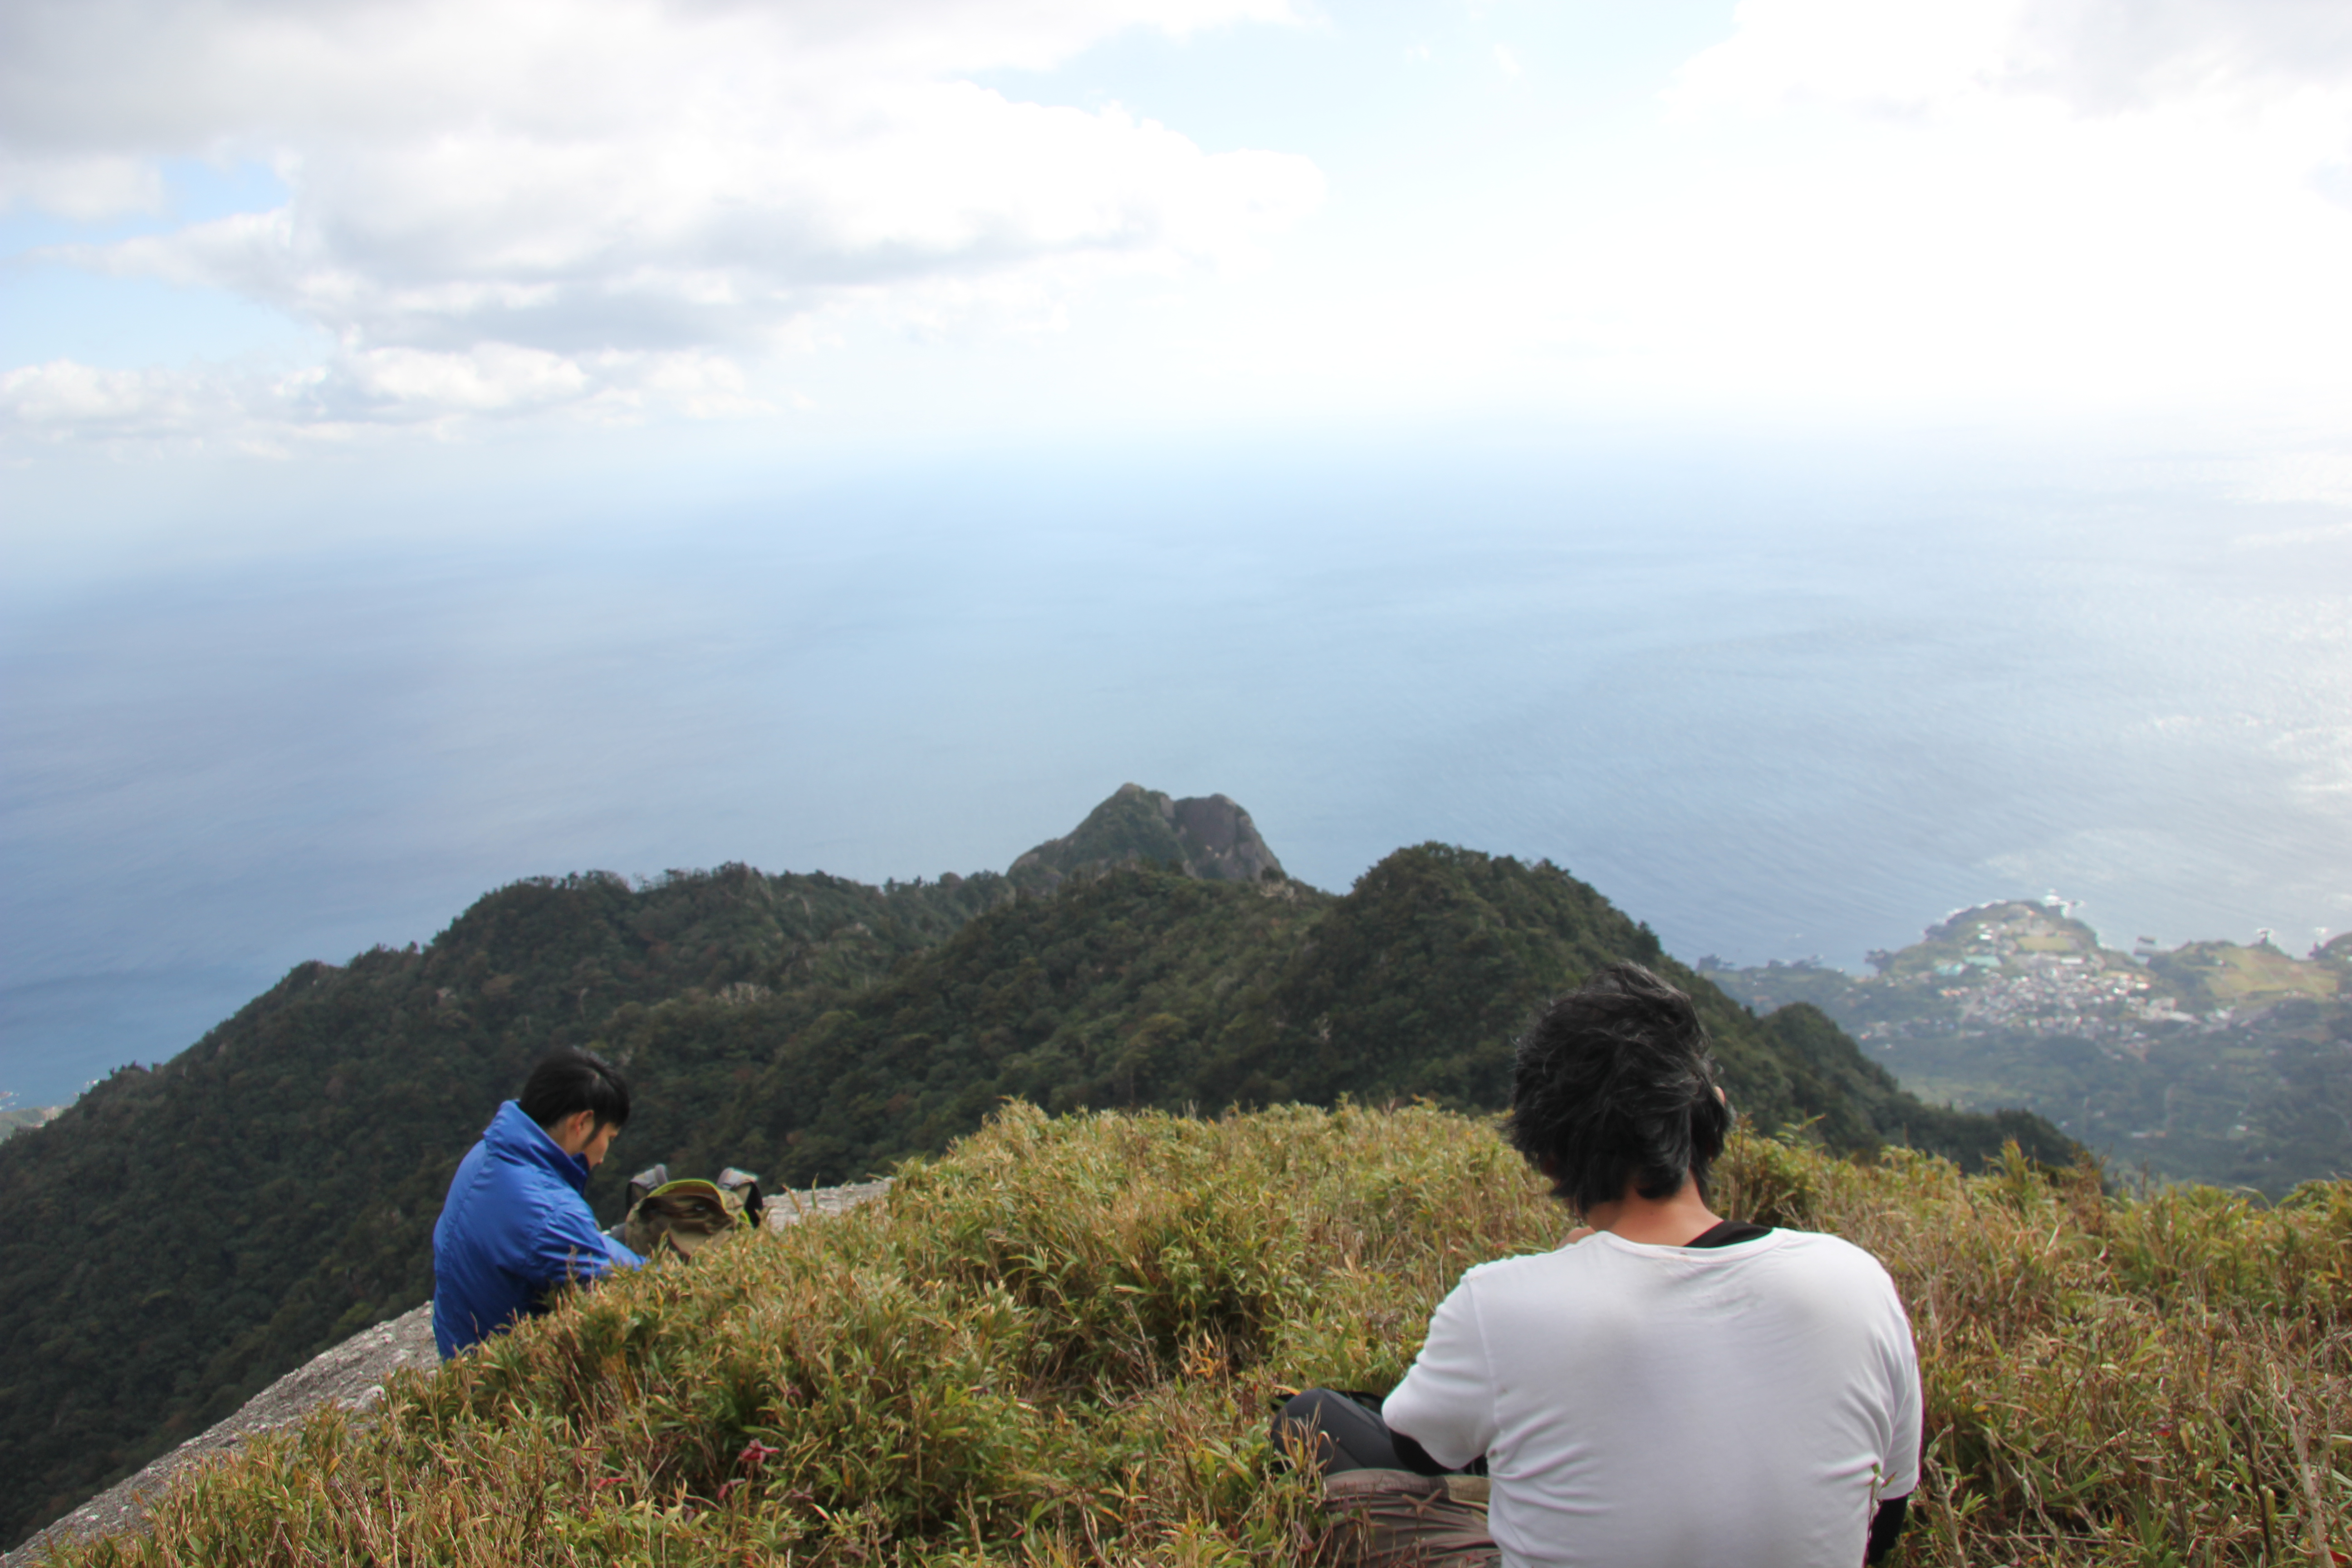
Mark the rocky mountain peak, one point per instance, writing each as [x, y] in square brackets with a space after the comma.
[1211, 837]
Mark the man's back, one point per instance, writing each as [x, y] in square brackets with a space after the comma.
[1671, 1406]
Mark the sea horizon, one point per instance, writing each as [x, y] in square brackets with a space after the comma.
[1774, 707]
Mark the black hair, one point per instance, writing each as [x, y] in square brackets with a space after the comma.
[1614, 1083]
[570, 1080]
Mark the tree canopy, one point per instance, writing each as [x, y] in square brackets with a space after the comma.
[183, 1235]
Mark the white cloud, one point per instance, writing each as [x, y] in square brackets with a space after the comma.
[495, 376]
[496, 201]
[2097, 55]
[1857, 211]
[360, 391]
[80, 186]
[2109, 54]
[63, 395]
[2078, 202]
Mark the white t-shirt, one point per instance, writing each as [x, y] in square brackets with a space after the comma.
[1681, 1408]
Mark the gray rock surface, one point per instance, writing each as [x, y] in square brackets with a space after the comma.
[351, 1375]
[788, 1208]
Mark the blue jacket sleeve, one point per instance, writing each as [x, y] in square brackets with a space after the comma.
[566, 1247]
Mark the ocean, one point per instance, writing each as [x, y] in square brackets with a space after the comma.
[1776, 704]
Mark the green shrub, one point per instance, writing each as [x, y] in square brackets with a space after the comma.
[1059, 1343]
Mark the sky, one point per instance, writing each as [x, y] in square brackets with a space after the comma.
[308, 233]
[910, 419]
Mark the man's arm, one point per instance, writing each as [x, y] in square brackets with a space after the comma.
[566, 1248]
[1447, 1402]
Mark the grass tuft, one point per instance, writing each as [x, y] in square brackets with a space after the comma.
[1059, 1343]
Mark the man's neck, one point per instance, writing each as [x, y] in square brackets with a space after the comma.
[1676, 1221]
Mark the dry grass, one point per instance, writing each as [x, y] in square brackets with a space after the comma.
[1059, 1343]
[2235, 975]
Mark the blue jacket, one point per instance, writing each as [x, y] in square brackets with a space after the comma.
[514, 1228]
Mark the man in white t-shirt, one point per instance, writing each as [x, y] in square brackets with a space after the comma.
[1667, 1390]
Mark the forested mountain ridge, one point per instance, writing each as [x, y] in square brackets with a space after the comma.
[183, 1235]
[1138, 987]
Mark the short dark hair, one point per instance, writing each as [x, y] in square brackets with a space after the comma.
[570, 1081]
[1614, 1083]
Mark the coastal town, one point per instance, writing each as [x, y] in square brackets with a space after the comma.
[2028, 967]
[2213, 1061]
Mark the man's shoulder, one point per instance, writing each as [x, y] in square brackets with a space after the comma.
[1521, 1269]
[491, 1181]
[1517, 1263]
[1839, 1278]
[1830, 1251]
[1811, 1250]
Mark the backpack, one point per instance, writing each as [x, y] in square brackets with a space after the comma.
[680, 1218]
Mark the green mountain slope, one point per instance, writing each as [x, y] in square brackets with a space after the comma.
[184, 1235]
[1141, 987]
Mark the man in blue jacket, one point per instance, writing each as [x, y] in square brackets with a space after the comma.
[515, 1227]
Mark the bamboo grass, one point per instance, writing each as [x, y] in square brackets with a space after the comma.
[1059, 1342]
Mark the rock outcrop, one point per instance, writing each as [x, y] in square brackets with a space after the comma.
[1209, 836]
